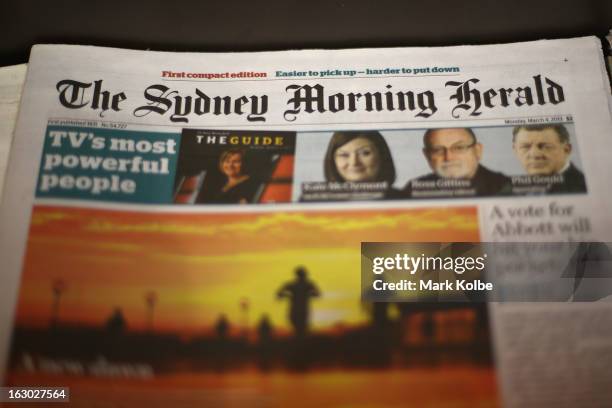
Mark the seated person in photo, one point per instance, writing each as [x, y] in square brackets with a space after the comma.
[454, 155]
[544, 150]
[239, 186]
[360, 157]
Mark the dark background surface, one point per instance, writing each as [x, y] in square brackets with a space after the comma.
[274, 25]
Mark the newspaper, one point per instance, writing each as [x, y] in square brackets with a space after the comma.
[193, 222]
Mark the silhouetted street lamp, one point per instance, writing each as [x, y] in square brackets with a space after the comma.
[58, 287]
[151, 301]
[244, 307]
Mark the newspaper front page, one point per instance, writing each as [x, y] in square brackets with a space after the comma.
[193, 222]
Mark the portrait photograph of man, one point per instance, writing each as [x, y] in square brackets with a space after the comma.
[544, 151]
[454, 156]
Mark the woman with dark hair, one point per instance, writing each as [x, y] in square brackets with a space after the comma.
[239, 187]
[360, 156]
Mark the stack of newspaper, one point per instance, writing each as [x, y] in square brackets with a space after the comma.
[181, 229]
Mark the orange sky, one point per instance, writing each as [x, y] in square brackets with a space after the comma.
[201, 265]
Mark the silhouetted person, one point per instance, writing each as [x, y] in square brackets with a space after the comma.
[299, 292]
[380, 314]
[222, 327]
[264, 329]
[428, 327]
[379, 335]
[264, 334]
[223, 353]
[482, 321]
[116, 322]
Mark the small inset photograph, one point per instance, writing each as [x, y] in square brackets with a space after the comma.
[348, 165]
[549, 159]
[234, 167]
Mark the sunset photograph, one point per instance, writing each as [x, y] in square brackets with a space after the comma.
[230, 299]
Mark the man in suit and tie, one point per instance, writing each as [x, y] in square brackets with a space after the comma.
[544, 150]
[454, 155]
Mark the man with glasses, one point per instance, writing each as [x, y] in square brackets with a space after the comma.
[454, 156]
[544, 150]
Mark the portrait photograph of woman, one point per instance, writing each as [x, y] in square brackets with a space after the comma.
[234, 167]
[361, 160]
[358, 157]
[239, 187]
